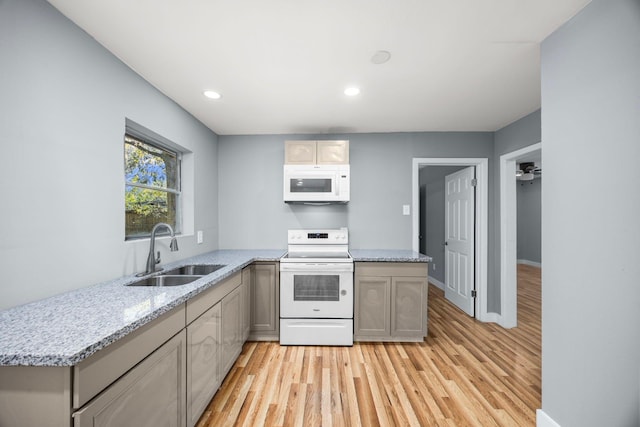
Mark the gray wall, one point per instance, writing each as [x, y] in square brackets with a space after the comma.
[252, 213]
[529, 201]
[432, 217]
[590, 280]
[250, 183]
[63, 104]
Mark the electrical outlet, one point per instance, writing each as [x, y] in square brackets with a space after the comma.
[406, 210]
[200, 237]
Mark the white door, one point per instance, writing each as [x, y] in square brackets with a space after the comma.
[460, 239]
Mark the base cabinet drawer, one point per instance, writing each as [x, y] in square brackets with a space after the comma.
[151, 394]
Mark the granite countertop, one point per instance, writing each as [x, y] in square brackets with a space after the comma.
[65, 329]
[388, 255]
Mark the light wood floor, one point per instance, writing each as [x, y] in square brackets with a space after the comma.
[464, 373]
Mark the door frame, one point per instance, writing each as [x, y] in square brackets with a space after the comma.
[482, 217]
[509, 235]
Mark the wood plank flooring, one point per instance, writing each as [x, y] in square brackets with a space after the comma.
[465, 373]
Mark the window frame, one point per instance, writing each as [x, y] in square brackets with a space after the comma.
[145, 136]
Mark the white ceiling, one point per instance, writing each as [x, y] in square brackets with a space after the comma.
[282, 65]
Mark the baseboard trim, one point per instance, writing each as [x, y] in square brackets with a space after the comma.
[492, 318]
[544, 420]
[531, 263]
[435, 282]
[486, 317]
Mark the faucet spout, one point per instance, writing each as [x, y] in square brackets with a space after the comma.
[151, 259]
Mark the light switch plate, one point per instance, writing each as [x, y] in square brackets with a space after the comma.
[406, 210]
[200, 237]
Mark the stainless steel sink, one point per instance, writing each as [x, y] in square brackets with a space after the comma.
[166, 280]
[193, 270]
[178, 276]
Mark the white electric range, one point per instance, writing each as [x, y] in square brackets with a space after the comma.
[316, 288]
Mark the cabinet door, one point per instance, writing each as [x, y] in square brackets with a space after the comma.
[408, 310]
[150, 394]
[300, 152]
[203, 362]
[231, 306]
[332, 153]
[265, 301]
[247, 277]
[372, 306]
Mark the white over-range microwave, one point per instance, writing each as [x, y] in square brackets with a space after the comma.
[316, 183]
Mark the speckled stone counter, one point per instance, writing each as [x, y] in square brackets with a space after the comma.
[65, 329]
[388, 255]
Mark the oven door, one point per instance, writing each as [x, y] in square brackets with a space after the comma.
[316, 290]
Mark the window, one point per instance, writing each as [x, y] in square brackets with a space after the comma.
[152, 186]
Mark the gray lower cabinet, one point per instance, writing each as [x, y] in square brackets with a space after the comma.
[203, 362]
[231, 308]
[408, 307]
[150, 394]
[265, 302]
[165, 373]
[390, 301]
[247, 274]
[214, 340]
[373, 306]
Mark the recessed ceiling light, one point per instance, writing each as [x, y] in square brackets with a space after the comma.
[352, 91]
[380, 57]
[211, 94]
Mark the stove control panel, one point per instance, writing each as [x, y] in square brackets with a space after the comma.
[319, 237]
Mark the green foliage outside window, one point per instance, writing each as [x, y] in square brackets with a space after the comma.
[152, 176]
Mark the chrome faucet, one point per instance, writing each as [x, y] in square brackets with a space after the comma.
[151, 259]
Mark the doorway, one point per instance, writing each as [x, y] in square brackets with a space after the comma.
[508, 233]
[447, 231]
[481, 220]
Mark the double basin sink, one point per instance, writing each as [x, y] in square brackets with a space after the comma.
[178, 276]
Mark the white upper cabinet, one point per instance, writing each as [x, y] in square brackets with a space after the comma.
[316, 152]
[332, 152]
[300, 152]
